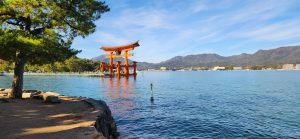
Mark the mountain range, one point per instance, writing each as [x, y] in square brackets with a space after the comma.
[281, 55]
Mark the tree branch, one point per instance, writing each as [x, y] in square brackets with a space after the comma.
[41, 29]
[6, 14]
[14, 23]
[74, 27]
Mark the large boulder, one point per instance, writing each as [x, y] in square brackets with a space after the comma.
[105, 123]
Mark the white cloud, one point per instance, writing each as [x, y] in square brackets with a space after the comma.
[251, 20]
[275, 32]
[260, 11]
[198, 6]
[109, 39]
[144, 18]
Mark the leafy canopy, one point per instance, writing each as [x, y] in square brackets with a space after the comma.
[43, 30]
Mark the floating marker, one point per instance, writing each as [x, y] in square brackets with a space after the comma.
[152, 98]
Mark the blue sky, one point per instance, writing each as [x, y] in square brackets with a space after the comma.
[168, 28]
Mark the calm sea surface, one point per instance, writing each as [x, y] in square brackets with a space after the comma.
[209, 104]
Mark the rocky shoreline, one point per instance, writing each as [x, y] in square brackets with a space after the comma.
[103, 120]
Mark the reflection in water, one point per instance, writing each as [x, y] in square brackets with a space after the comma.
[117, 88]
[120, 93]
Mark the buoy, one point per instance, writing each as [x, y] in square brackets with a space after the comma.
[152, 98]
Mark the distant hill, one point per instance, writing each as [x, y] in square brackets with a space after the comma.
[103, 59]
[141, 65]
[281, 55]
[193, 60]
[290, 54]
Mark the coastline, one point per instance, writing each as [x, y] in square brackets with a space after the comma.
[55, 74]
[98, 74]
[70, 117]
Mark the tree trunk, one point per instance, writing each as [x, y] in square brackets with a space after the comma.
[17, 84]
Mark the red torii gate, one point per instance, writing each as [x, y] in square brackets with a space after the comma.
[116, 52]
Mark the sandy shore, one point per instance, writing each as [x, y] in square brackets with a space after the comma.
[72, 118]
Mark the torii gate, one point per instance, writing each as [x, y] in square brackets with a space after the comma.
[116, 52]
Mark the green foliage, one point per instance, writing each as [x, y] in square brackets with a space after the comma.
[80, 65]
[229, 67]
[43, 30]
[6, 66]
[70, 65]
[256, 67]
[263, 66]
[36, 50]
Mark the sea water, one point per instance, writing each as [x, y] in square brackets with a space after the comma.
[195, 104]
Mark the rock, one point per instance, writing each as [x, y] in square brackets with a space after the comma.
[36, 96]
[26, 95]
[105, 123]
[51, 98]
[30, 91]
[2, 89]
[52, 93]
[7, 90]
